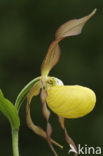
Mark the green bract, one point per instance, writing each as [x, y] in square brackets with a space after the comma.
[24, 92]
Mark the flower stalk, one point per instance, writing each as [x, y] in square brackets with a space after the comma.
[15, 142]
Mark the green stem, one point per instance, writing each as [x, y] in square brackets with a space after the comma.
[15, 142]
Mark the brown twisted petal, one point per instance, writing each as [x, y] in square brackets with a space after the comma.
[67, 137]
[46, 114]
[35, 90]
[70, 28]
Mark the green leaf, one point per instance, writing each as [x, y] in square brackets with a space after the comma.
[23, 93]
[9, 110]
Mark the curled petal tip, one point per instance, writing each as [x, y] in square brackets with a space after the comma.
[73, 27]
[94, 11]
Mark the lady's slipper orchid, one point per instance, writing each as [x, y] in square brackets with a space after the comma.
[66, 101]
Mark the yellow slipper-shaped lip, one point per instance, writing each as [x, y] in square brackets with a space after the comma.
[71, 101]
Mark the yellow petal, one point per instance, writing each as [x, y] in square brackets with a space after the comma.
[71, 101]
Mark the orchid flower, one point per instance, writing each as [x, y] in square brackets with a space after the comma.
[72, 101]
